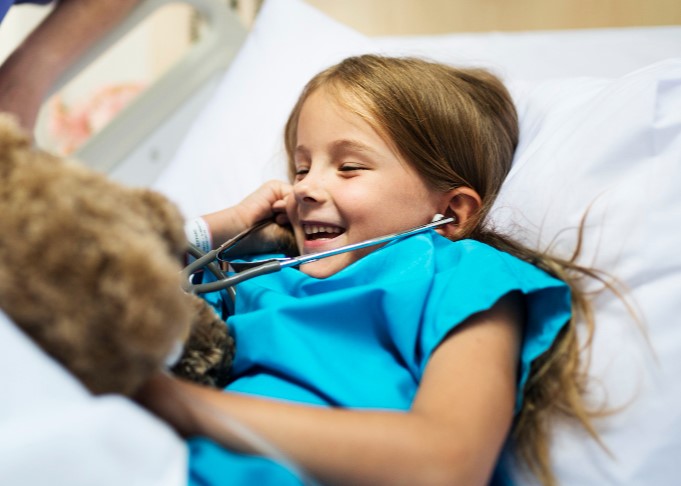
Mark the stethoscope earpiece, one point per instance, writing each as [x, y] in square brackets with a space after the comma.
[439, 216]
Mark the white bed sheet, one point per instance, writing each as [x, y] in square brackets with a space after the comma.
[53, 431]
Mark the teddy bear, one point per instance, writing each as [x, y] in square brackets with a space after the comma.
[90, 271]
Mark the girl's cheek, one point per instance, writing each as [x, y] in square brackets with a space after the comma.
[291, 207]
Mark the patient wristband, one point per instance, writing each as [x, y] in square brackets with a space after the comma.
[198, 233]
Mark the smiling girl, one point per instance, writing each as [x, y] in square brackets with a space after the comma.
[405, 364]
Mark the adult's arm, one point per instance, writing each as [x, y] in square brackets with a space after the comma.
[50, 49]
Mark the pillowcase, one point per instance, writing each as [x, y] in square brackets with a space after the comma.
[604, 149]
[608, 151]
[541, 55]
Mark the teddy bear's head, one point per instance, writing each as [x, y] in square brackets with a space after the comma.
[89, 269]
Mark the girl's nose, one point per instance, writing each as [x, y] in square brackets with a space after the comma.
[310, 189]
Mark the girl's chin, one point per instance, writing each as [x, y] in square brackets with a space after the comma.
[326, 267]
[329, 266]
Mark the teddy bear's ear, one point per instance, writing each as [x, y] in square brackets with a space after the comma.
[166, 219]
[11, 134]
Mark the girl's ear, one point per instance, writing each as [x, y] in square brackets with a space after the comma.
[462, 203]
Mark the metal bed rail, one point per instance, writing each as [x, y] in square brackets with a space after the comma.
[210, 55]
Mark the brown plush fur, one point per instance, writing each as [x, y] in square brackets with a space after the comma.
[89, 270]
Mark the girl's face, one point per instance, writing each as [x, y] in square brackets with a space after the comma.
[350, 186]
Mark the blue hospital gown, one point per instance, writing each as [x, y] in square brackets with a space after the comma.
[362, 338]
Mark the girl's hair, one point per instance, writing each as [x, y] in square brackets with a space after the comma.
[459, 127]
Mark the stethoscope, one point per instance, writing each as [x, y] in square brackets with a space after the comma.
[257, 268]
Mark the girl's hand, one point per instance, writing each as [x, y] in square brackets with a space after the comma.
[268, 201]
[194, 410]
[169, 399]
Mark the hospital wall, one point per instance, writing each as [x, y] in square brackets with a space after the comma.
[402, 17]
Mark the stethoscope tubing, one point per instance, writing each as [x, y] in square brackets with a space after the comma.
[272, 265]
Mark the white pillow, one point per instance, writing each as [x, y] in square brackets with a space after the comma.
[237, 141]
[613, 143]
[538, 55]
[612, 148]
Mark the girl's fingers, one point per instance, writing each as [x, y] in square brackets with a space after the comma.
[279, 205]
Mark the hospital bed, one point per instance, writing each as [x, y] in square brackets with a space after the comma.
[600, 114]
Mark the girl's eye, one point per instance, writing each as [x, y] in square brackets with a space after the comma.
[350, 168]
[300, 174]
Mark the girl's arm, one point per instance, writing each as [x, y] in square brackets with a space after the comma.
[452, 435]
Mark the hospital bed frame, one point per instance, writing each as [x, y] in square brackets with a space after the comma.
[184, 87]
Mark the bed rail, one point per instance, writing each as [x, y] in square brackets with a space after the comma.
[216, 48]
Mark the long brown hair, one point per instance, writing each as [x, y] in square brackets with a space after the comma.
[459, 127]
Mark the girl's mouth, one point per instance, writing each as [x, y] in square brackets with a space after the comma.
[315, 232]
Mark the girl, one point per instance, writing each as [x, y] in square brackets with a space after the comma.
[408, 364]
